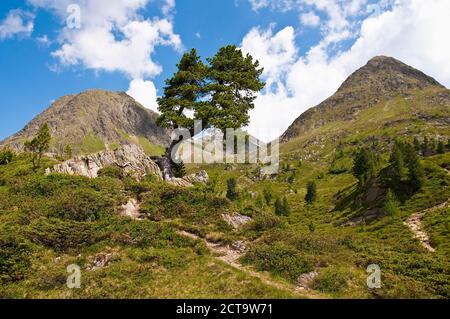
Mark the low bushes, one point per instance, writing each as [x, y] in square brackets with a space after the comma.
[6, 157]
[14, 259]
[80, 205]
[279, 259]
[112, 171]
[64, 235]
[331, 280]
[262, 222]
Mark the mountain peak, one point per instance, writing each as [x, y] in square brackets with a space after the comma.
[384, 75]
[383, 59]
[93, 119]
[382, 78]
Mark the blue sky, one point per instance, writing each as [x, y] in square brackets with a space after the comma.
[308, 47]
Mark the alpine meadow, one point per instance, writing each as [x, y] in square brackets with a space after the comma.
[166, 190]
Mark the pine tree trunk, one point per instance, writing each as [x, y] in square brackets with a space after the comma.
[165, 162]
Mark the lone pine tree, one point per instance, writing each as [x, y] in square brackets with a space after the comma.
[39, 145]
[232, 193]
[311, 192]
[364, 166]
[220, 94]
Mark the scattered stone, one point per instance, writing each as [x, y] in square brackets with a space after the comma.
[102, 260]
[253, 194]
[200, 177]
[368, 216]
[240, 246]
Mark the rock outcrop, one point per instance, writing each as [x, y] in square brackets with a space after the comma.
[190, 180]
[305, 281]
[236, 220]
[131, 209]
[131, 158]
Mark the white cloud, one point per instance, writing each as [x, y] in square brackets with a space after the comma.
[259, 4]
[275, 52]
[340, 16]
[43, 40]
[413, 31]
[112, 37]
[17, 22]
[168, 6]
[145, 93]
[310, 19]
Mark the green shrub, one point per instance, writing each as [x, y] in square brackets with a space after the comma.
[147, 233]
[282, 207]
[112, 171]
[232, 193]
[6, 157]
[81, 205]
[67, 197]
[268, 196]
[279, 259]
[262, 222]
[169, 258]
[391, 204]
[312, 243]
[14, 259]
[192, 205]
[331, 280]
[63, 235]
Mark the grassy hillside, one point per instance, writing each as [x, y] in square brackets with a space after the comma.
[49, 222]
[180, 246]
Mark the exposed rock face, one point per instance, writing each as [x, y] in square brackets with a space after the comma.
[133, 161]
[131, 209]
[130, 158]
[305, 281]
[190, 180]
[382, 78]
[236, 220]
[373, 198]
[200, 177]
[95, 117]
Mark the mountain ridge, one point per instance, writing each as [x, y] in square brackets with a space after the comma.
[382, 78]
[91, 121]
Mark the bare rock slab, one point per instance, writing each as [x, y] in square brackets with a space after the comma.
[131, 158]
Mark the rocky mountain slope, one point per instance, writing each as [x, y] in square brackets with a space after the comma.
[92, 121]
[382, 78]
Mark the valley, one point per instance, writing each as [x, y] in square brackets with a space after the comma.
[363, 180]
